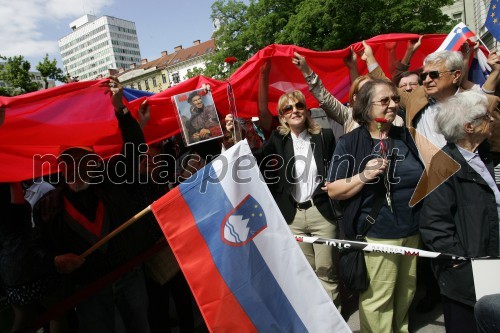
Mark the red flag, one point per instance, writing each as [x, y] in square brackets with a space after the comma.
[81, 114]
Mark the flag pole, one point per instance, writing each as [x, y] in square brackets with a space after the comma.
[481, 41]
[115, 232]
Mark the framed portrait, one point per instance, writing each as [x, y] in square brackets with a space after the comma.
[197, 116]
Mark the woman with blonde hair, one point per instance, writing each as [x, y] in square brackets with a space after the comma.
[298, 152]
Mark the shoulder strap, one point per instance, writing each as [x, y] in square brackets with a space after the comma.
[326, 160]
[371, 217]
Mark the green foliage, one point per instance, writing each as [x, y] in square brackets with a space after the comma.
[49, 70]
[193, 72]
[314, 24]
[15, 73]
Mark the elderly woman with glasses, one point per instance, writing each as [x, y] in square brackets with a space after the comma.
[461, 216]
[298, 152]
[374, 171]
[334, 109]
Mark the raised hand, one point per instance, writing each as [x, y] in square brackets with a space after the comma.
[144, 113]
[115, 89]
[367, 52]
[300, 62]
[351, 60]
[413, 45]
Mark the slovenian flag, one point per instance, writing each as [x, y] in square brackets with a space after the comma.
[458, 35]
[245, 269]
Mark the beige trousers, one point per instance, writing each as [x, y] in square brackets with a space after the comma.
[310, 222]
[383, 307]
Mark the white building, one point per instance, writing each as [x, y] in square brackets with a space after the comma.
[168, 70]
[98, 44]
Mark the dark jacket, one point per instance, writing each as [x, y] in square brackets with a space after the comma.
[460, 217]
[360, 145]
[279, 149]
[60, 233]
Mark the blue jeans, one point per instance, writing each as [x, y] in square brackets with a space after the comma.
[128, 294]
[487, 313]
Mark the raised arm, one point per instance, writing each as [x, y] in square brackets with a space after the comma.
[351, 62]
[130, 130]
[404, 64]
[265, 116]
[493, 80]
[466, 54]
[373, 67]
[334, 109]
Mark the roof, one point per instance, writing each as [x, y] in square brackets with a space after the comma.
[176, 57]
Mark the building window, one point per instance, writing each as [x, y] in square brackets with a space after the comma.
[146, 82]
[175, 78]
[164, 78]
[154, 82]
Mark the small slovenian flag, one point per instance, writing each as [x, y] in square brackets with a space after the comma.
[245, 269]
[458, 35]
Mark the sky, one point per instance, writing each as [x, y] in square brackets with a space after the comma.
[32, 27]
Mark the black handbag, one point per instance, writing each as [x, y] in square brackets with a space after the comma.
[352, 265]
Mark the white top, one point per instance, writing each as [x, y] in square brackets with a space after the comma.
[35, 192]
[305, 169]
[426, 126]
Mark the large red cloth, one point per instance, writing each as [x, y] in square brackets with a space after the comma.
[81, 114]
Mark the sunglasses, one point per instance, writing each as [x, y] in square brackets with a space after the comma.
[433, 74]
[387, 100]
[287, 109]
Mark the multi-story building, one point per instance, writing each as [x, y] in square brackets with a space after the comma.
[167, 70]
[98, 44]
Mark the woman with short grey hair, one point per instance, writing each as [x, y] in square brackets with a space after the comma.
[461, 216]
[466, 107]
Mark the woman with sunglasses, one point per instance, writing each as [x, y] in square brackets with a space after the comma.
[298, 153]
[374, 171]
[461, 216]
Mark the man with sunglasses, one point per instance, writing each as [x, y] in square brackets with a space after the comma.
[441, 78]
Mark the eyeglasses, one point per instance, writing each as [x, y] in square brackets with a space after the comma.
[387, 100]
[485, 116]
[411, 84]
[287, 109]
[433, 74]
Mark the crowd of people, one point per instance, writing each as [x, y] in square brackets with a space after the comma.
[358, 185]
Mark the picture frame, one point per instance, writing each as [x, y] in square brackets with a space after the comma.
[197, 116]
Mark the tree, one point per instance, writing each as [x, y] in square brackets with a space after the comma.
[49, 70]
[315, 24]
[193, 72]
[14, 72]
[340, 23]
